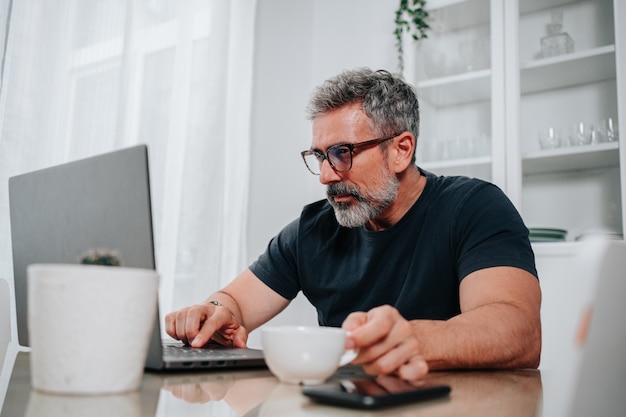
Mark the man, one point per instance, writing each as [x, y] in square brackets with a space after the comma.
[422, 271]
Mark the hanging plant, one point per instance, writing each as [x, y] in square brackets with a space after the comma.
[412, 18]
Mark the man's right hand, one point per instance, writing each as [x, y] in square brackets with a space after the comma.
[200, 323]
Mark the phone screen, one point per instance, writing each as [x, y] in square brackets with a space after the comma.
[381, 391]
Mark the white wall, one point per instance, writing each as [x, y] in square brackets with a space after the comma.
[298, 45]
[352, 33]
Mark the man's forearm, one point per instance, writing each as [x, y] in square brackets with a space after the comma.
[250, 300]
[498, 335]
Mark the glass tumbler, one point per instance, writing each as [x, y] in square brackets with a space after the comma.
[550, 138]
[579, 134]
[608, 127]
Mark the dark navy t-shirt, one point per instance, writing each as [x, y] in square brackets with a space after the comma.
[457, 226]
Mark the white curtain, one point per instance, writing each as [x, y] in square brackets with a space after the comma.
[83, 77]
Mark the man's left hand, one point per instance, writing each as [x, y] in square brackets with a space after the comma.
[386, 343]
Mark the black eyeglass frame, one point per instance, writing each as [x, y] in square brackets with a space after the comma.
[351, 146]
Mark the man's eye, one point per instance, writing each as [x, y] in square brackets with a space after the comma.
[340, 151]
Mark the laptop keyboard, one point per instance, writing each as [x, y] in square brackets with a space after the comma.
[179, 356]
[214, 352]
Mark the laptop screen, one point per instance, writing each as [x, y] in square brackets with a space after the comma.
[60, 213]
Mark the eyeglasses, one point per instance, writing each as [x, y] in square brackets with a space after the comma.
[338, 156]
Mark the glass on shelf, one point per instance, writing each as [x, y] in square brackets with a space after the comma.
[474, 54]
[608, 129]
[580, 134]
[438, 60]
[443, 56]
[556, 42]
[456, 147]
[601, 132]
[550, 138]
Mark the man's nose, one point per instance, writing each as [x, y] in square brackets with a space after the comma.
[327, 174]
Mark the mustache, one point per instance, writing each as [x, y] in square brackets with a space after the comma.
[343, 189]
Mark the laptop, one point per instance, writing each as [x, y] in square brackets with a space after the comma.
[59, 213]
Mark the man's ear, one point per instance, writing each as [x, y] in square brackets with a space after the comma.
[403, 147]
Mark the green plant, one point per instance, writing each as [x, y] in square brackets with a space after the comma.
[100, 257]
[412, 18]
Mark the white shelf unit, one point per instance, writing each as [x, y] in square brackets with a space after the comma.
[517, 94]
[577, 188]
[454, 77]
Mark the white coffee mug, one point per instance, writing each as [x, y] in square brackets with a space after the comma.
[89, 327]
[305, 355]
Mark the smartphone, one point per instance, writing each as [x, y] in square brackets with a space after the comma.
[369, 393]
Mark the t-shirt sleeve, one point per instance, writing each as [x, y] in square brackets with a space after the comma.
[491, 233]
[277, 266]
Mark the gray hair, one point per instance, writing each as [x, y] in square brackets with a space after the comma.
[386, 99]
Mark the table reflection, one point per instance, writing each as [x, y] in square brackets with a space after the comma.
[41, 404]
[257, 393]
[480, 393]
[241, 391]
[506, 393]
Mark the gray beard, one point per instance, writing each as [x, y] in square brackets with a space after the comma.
[367, 207]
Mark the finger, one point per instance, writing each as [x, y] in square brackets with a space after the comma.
[392, 347]
[414, 370]
[232, 336]
[214, 391]
[387, 360]
[220, 319]
[196, 317]
[189, 322]
[240, 339]
[174, 389]
[375, 326]
[194, 394]
[170, 325]
[354, 320]
[219, 338]
[181, 324]
[236, 337]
